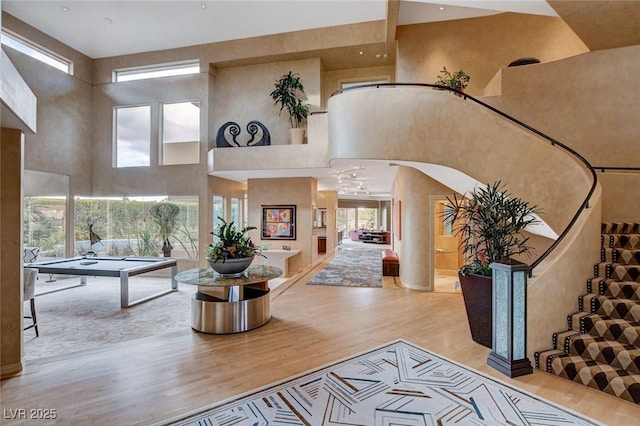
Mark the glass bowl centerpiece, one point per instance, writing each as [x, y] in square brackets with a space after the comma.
[232, 251]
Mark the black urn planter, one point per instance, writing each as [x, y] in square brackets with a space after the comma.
[477, 294]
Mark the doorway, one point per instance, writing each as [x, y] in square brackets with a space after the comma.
[447, 254]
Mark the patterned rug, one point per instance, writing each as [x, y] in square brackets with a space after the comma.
[396, 384]
[90, 316]
[352, 266]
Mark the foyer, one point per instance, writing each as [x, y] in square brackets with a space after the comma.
[158, 377]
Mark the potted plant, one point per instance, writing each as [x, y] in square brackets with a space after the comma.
[490, 224]
[458, 80]
[233, 251]
[289, 94]
[165, 216]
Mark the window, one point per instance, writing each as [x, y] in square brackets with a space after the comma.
[235, 212]
[36, 52]
[218, 211]
[156, 71]
[367, 218]
[44, 226]
[181, 133]
[132, 136]
[126, 226]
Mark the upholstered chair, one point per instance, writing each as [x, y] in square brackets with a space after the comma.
[30, 275]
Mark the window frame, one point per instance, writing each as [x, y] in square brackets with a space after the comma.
[146, 72]
[36, 51]
[114, 144]
[161, 126]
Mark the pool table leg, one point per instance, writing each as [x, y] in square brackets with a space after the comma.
[124, 289]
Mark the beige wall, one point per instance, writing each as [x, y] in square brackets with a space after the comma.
[64, 117]
[333, 80]
[11, 165]
[301, 192]
[480, 46]
[328, 200]
[413, 229]
[241, 94]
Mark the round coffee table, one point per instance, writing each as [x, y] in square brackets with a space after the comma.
[223, 305]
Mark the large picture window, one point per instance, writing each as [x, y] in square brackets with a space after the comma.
[132, 134]
[44, 226]
[181, 133]
[127, 226]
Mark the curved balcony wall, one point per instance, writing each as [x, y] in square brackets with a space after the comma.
[430, 126]
[434, 132]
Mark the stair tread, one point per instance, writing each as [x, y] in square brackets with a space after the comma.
[604, 377]
[601, 347]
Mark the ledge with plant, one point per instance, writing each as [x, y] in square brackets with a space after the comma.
[457, 80]
[289, 95]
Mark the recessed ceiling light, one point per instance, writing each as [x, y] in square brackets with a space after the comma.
[64, 9]
[203, 5]
[361, 52]
[441, 7]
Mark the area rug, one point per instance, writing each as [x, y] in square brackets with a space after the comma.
[395, 384]
[352, 267]
[90, 317]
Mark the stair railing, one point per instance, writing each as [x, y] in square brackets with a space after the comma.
[554, 142]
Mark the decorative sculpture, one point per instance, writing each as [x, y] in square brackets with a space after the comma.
[254, 128]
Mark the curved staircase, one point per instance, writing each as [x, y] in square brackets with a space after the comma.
[601, 347]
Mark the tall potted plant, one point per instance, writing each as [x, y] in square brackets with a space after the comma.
[165, 216]
[289, 94]
[490, 224]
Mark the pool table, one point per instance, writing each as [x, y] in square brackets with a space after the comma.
[123, 267]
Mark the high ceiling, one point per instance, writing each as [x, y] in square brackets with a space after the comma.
[110, 28]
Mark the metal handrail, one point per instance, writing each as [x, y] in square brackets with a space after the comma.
[623, 169]
[554, 142]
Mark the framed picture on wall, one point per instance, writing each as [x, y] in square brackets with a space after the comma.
[278, 222]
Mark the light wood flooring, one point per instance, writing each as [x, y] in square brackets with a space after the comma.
[148, 380]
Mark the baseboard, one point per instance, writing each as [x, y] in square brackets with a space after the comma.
[9, 370]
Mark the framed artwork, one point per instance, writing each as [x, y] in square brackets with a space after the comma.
[278, 222]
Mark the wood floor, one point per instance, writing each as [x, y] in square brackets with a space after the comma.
[149, 380]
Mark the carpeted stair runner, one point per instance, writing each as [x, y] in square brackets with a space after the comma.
[601, 347]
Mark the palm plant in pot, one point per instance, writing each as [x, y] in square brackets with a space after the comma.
[233, 251]
[289, 94]
[490, 224]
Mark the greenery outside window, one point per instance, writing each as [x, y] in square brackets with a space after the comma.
[44, 226]
[126, 226]
[219, 208]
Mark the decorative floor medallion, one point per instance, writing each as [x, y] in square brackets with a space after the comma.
[396, 384]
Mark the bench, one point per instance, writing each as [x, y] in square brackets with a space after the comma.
[390, 263]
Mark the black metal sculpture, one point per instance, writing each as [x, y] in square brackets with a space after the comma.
[254, 128]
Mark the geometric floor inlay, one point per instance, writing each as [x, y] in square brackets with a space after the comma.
[393, 385]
